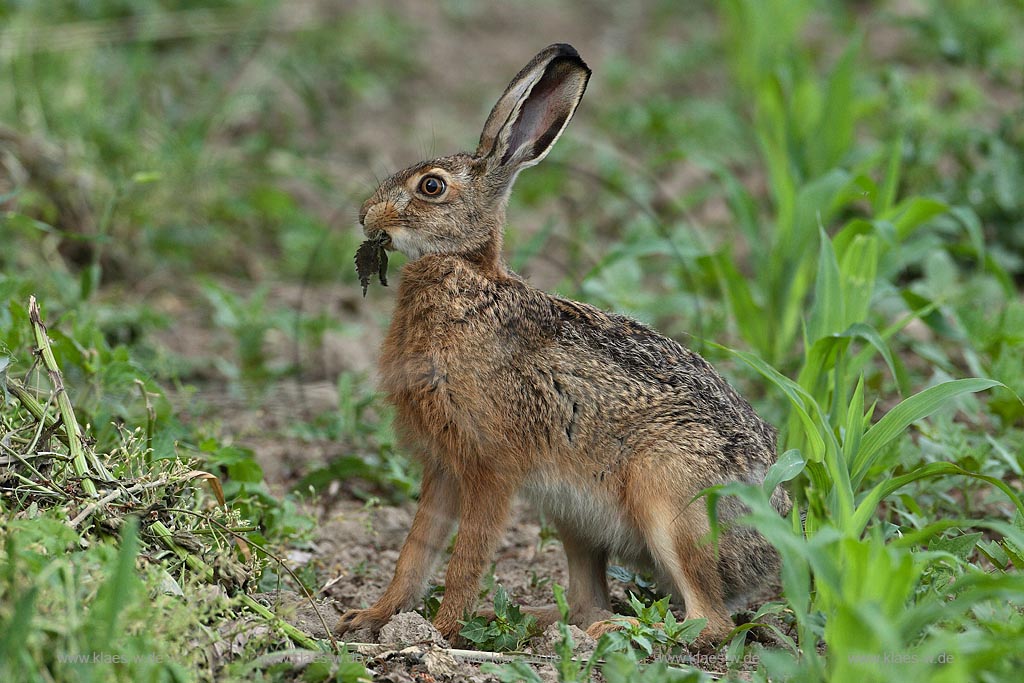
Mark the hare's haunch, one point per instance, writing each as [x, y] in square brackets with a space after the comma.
[610, 428]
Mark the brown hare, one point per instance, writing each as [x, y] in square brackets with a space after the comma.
[608, 427]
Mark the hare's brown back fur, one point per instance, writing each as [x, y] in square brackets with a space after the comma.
[500, 388]
[592, 413]
[506, 365]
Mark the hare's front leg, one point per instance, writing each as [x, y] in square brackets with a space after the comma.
[431, 528]
[485, 503]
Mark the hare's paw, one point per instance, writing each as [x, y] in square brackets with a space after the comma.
[599, 628]
[449, 628]
[713, 635]
[356, 619]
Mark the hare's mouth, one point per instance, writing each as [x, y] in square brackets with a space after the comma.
[381, 237]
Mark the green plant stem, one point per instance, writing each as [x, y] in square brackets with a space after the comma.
[240, 539]
[150, 420]
[67, 413]
[25, 463]
[33, 406]
[206, 572]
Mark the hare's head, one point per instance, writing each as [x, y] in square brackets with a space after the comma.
[456, 204]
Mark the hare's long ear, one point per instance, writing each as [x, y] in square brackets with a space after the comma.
[535, 108]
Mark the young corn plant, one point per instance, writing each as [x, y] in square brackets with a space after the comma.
[852, 581]
[870, 594]
[804, 128]
[817, 172]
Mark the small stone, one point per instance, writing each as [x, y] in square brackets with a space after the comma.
[440, 664]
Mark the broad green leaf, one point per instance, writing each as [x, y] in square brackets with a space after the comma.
[637, 605]
[349, 671]
[744, 210]
[476, 630]
[512, 672]
[749, 317]
[644, 643]
[912, 213]
[506, 642]
[797, 398]
[770, 125]
[689, 629]
[927, 311]
[18, 629]
[995, 554]
[788, 466]
[836, 124]
[854, 430]
[913, 538]
[865, 332]
[561, 601]
[817, 202]
[887, 192]
[972, 226]
[818, 361]
[970, 590]
[500, 601]
[866, 508]
[907, 412]
[960, 546]
[1013, 553]
[1014, 547]
[116, 593]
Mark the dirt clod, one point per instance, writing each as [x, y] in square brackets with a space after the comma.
[410, 628]
[363, 635]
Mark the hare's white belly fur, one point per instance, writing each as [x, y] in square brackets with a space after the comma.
[591, 514]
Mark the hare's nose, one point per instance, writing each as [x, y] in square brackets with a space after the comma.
[379, 217]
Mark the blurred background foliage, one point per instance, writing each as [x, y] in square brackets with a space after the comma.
[833, 187]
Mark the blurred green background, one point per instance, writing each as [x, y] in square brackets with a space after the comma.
[202, 160]
[179, 186]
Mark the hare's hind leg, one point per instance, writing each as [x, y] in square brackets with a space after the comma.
[678, 542]
[588, 587]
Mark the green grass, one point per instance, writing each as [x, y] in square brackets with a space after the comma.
[821, 197]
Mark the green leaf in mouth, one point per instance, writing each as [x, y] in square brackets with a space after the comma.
[370, 258]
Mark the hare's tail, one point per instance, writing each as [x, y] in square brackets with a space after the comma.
[748, 564]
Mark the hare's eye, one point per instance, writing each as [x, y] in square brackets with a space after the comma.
[432, 186]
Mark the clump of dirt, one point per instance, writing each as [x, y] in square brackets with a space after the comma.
[410, 628]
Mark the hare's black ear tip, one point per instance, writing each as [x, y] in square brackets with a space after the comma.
[565, 51]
